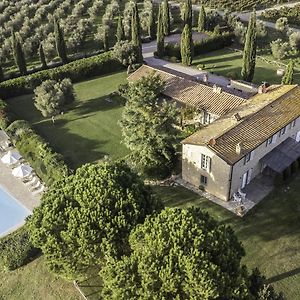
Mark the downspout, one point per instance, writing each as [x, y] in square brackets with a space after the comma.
[230, 182]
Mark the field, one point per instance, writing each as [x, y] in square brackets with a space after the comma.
[238, 5]
[89, 130]
[227, 63]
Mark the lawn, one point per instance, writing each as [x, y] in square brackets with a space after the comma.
[270, 233]
[89, 130]
[226, 62]
[34, 281]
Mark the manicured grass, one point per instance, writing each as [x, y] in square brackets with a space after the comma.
[270, 233]
[34, 281]
[89, 130]
[226, 62]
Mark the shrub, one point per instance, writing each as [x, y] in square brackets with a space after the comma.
[48, 164]
[51, 96]
[6, 116]
[77, 70]
[279, 49]
[207, 45]
[16, 250]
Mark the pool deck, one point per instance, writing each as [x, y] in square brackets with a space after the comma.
[16, 188]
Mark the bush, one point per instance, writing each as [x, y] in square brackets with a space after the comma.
[48, 164]
[51, 96]
[6, 116]
[77, 70]
[209, 44]
[279, 49]
[16, 250]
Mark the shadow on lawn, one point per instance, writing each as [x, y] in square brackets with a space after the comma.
[208, 61]
[275, 217]
[76, 149]
[283, 276]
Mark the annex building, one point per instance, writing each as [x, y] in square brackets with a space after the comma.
[245, 136]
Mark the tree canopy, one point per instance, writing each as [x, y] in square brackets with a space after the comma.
[181, 254]
[148, 127]
[88, 216]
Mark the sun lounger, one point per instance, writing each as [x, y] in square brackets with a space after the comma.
[34, 187]
[32, 181]
[40, 190]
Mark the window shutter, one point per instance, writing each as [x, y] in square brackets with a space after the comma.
[251, 155]
[274, 138]
[208, 164]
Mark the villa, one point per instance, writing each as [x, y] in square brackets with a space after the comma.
[246, 135]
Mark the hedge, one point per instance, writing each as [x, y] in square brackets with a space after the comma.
[48, 164]
[6, 116]
[16, 250]
[209, 44]
[76, 70]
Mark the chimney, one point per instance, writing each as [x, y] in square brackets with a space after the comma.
[205, 77]
[263, 89]
[217, 89]
[239, 148]
[212, 142]
[237, 117]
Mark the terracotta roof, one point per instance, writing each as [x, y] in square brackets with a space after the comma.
[192, 93]
[260, 118]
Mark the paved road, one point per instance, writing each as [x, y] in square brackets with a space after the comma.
[149, 48]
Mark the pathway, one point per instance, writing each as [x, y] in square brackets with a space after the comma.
[150, 48]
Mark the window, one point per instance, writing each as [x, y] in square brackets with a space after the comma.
[205, 162]
[293, 124]
[269, 141]
[203, 180]
[282, 131]
[206, 118]
[248, 157]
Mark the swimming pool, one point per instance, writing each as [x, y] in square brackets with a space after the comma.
[12, 213]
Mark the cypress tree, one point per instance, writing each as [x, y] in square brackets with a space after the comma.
[151, 28]
[60, 42]
[160, 34]
[188, 14]
[136, 33]
[1, 74]
[288, 77]
[18, 54]
[186, 46]
[166, 18]
[249, 55]
[120, 35]
[105, 39]
[42, 57]
[201, 19]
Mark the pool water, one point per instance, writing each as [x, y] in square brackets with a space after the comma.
[12, 213]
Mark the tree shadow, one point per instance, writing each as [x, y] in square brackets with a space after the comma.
[283, 276]
[208, 60]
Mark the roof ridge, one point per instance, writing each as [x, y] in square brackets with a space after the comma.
[246, 118]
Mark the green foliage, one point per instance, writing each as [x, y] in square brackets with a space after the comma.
[209, 44]
[18, 53]
[202, 19]
[249, 55]
[152, 25]
[48, 164]
[187, 13]
[288, 76]
[51, 96]
[147, 127]
[125, 52]
[160, 34]
[179, 254]
[120, 35]
[1, 74]
[136, 34]
[88, 216]
[291, 13]
[77, 70]
[6, 116]
[166, 18]
[16, 250]
[186, 46]
[60, 42]
[279, 49]
[42, 57]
